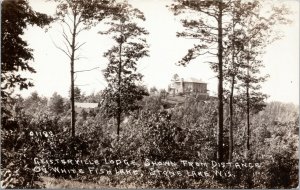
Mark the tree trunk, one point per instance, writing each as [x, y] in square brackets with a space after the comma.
[73, 119]
[248, 112]
[248, 101]
[231, 92]
[119, 93]
[220, 84]
[73, 116]
[231, 119]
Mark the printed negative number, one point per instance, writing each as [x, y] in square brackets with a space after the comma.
[41, 134]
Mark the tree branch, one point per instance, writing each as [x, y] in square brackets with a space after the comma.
[76, 48]
[61, 49]
[82, 84]
[209, 14]
[79, 57]
[69, 27]
[67, 48]
[82, 29]
[86, 70]
[65, 36]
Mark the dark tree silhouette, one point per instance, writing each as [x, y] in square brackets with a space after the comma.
[16, 56]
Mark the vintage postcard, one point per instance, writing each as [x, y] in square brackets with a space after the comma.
[174, 94]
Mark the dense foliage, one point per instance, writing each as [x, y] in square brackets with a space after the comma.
[153, 133]
[16, 56]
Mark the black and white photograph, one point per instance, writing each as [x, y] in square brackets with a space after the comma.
[149, 94]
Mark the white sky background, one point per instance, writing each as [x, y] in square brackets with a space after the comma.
[53, 68]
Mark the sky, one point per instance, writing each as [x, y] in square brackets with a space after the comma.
[281, 59]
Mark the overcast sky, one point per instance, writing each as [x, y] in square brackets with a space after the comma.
[281, 59]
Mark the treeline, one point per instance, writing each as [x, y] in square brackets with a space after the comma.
[235, 127]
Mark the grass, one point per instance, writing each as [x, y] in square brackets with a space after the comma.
[103, 183]
[54, 183]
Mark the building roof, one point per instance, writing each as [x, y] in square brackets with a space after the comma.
[191, 79]
[86, 105]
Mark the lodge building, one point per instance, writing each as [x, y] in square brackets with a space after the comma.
[187, 86]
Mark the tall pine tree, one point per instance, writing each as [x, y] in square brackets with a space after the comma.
[121, 74]
[75, 17]
[207, 26]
